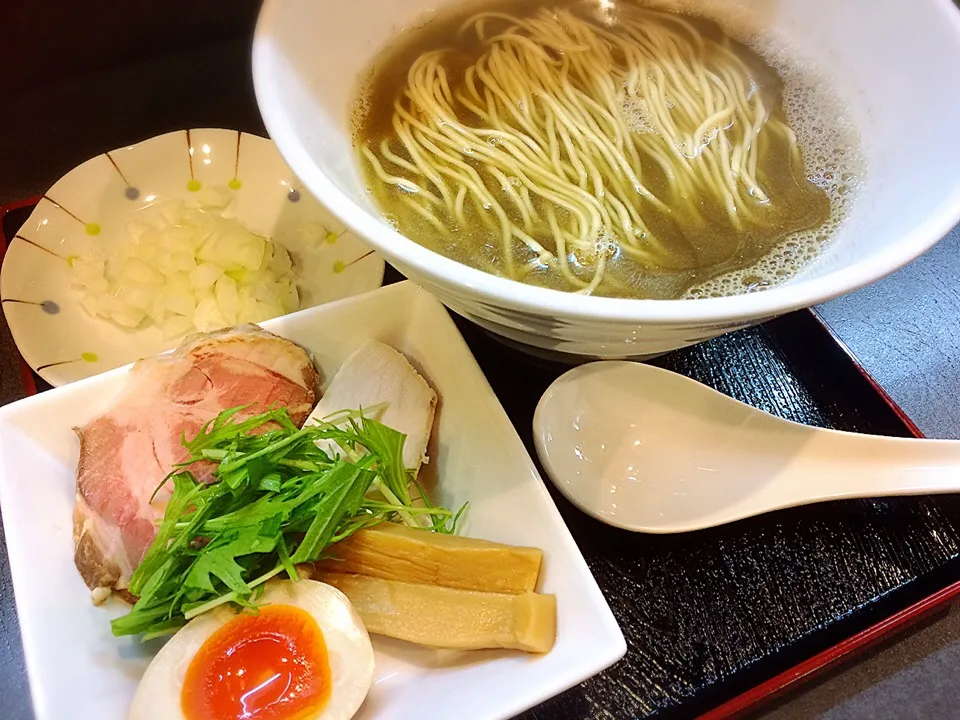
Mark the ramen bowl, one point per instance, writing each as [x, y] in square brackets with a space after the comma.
[893, 63]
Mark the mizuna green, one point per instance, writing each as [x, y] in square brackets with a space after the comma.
[276, 500]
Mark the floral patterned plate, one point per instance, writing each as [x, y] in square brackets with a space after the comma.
[92, 207]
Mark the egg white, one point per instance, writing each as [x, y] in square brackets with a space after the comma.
[348, 648]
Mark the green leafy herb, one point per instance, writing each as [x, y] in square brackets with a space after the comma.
[277, 500]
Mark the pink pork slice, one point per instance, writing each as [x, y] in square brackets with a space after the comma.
[126, 453]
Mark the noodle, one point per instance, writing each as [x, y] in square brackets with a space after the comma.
[553, 130]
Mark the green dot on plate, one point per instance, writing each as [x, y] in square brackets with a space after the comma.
[235, 184]
[332, 237]
[89, 357]
[93, 229]
[339, 267]
[193, 185]
[72, 259]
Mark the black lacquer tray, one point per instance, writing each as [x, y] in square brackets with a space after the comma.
[722, 617]
[716, 621]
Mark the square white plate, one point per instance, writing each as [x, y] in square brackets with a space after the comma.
[78, 670]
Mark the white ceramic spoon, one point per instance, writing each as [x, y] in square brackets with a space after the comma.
[650, 450]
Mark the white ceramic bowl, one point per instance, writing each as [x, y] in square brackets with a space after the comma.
[894, 62]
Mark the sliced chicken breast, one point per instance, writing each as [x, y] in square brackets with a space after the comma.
[375, 374]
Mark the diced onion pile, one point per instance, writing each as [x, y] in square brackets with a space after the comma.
[184, 269]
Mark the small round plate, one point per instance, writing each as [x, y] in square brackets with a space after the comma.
[92, 205]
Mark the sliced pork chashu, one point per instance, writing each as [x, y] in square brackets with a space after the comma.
[126, 453]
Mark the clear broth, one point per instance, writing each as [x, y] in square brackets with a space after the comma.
[700, 249]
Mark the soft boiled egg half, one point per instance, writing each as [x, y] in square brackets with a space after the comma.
[304, 655]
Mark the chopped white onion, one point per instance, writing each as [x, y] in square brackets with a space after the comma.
[184, 269]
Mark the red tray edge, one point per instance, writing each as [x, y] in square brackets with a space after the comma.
[833, 657]
[26, 373]
[799, 674]
[792, 679]
[904, 418]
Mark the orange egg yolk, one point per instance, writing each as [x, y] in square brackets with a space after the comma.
[268, 666]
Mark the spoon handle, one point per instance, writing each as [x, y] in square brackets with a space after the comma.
[850, 465]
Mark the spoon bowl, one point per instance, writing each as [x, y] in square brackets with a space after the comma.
[649, 450]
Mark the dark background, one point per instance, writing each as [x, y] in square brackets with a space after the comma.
[56, 41]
